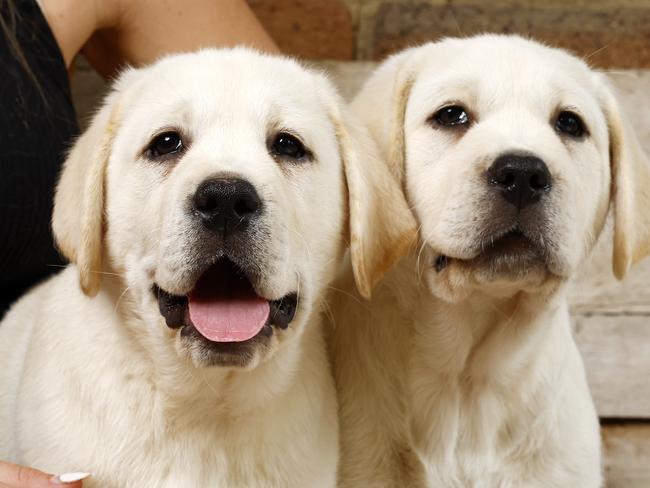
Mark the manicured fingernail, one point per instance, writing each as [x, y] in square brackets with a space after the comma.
[66, 478]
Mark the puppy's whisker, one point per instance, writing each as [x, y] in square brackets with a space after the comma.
[304, 241]
[119, 299]
[297, 289]
[107, 273]
[417, 263]
[417, 232]
[453, 15]
[614, 72]
[327, 310]
[585, 58]
[91, 270]
[348, 294]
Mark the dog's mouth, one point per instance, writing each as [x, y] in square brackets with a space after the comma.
[513, 242]
[512, 250]
[223, 307]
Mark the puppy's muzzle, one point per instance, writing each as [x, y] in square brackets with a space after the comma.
[226, 205]
[521, 180]
[514, 236]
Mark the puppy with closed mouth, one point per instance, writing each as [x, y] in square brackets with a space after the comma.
[206, 210]
[511, 155]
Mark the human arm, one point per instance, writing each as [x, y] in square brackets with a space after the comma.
[116, 32]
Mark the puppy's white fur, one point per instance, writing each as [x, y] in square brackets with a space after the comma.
[472, 369]
[96, 381]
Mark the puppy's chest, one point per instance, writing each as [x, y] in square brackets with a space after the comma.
[194, 460]
[484, 438]
[124, 449]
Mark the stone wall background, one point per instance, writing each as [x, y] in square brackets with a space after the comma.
[608, 33]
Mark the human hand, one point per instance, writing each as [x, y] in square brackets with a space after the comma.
[15, 476]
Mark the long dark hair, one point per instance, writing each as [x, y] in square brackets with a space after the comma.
[9, 19]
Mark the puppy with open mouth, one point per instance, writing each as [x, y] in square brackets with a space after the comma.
[206, 210]
[511, 155]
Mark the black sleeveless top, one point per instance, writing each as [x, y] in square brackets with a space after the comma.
[36, 129]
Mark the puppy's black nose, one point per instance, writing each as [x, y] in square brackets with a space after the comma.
[522, 180]
[226, 204]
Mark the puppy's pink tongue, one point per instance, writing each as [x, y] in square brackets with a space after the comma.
[224, 307]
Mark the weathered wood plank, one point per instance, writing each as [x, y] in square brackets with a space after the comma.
[616, 352]
[597, 292]
[626, 455]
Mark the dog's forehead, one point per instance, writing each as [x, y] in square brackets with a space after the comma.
[503, 69]
[235, 84]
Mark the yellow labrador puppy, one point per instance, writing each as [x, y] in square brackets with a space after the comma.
[206, 210]
[463, 372]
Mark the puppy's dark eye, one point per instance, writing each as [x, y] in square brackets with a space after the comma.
[451, 115]
[286, 145]
[570, 123]
[165, 143]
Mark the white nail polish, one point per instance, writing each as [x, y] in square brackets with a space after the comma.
[71, 477]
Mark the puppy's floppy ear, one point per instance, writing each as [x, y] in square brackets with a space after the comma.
[77, 220]
[382, 228]
[381, 105]
[630, 169]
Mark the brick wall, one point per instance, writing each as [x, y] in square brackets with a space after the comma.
[609, 33]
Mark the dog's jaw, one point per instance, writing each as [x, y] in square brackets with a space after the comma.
[511, 265]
